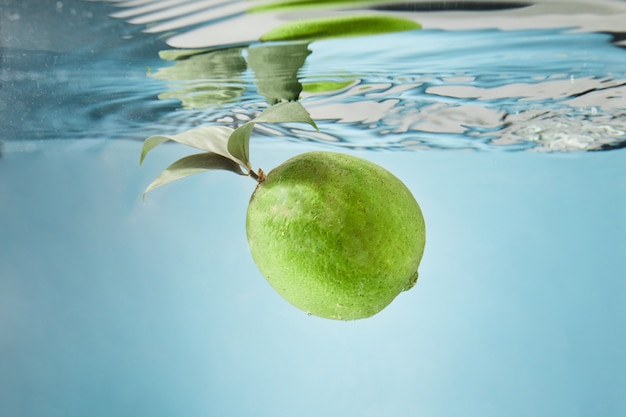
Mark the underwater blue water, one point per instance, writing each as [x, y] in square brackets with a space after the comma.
[509, 140]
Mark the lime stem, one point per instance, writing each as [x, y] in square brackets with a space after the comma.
[259, 177]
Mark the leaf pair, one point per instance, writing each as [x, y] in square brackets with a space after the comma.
[226, 148]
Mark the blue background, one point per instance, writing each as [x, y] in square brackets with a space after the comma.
[113, 307]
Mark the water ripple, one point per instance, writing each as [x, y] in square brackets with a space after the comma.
[549, 90]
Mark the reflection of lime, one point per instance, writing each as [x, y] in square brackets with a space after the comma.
[337, 236]
[200, 79]
[335, 27]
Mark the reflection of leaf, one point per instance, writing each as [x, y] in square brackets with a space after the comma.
[202, 78]
[199, 95]
[208, 138]
[194, 65]
[276, 67]
[239, 143]
[194, 164]
[332, 27]
[178, 54]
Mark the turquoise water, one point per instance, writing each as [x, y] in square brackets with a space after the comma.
[510, 140]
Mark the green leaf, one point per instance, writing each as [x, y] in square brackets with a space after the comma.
[149, 144]
[194, 164]
[334, 27]
[239, 143]
[287, 112]
[207, 138]
[227, 149]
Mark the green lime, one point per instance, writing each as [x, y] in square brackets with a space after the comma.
[335, 235]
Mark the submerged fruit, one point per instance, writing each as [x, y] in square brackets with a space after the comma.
[337, 236]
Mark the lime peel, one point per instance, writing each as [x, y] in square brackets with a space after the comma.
[335, 235]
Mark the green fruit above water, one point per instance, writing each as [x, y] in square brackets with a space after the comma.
[335, 235]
